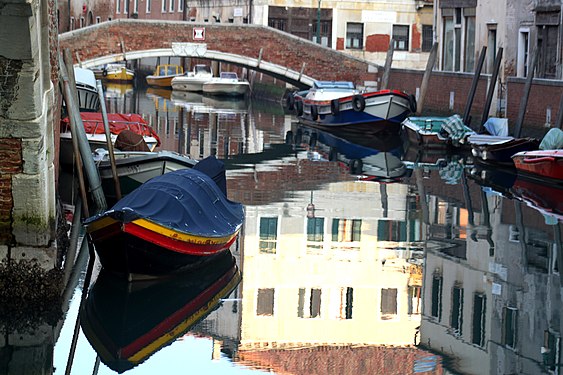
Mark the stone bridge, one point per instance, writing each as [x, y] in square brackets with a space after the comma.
[263, 49]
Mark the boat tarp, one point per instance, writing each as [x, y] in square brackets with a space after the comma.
[187, 201]
[553, 140]
[118, 122]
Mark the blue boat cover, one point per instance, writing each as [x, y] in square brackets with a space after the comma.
[186, 201]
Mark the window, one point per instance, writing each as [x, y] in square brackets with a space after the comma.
[180, 5]
[346, 230]
[354, 35]
[98, 19]
[309, 305]
[265, 302]
[400, 37]
[509, 332]
[125, 6]
[470, 44]
[457, 310]
[278, 23]
[118, 6]
[436, 308]
[479, 307]
[388, 303]
[136, 6]
[72, 26]
[414, 301]
[148, 6]
[547, 51]
[81, 22]
[523, 53]
[268, 235]
[172, 3]
[164, 6]
[459, 39]
[427, 38]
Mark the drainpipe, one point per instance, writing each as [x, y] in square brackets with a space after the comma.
[250, 5]
[319, 22]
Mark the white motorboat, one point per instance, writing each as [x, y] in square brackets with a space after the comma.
[193, 81]
[88, 98]
[227, 83]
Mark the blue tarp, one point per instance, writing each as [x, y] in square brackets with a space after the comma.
[185, 200]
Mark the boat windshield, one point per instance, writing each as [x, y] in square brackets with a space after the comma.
[201, 69]
[333, 85]
[168, 70]
[231, 75]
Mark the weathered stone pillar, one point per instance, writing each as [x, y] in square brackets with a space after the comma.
[27, 173]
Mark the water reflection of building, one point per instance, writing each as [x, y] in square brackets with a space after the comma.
[492, 294]
[338, 273]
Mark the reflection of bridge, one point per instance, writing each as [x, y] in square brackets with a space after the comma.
[264, 49]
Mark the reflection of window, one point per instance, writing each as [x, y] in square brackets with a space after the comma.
[315, 229]
[388, 303]
[479, 306]
[340, 303]
[346, 230]
[265, 302]
[457, 310]
[268, 234]
[510, 319]
[401, 37]
[427, 38]
[414, 302]
[309, 305]
[391, 230]
[551, 343]
[354, 35]
[436, 307]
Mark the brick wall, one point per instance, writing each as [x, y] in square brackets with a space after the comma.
[11, 162]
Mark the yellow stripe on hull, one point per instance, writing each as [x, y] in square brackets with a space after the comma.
[183, 236]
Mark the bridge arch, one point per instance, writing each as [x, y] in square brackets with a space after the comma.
[263, 49]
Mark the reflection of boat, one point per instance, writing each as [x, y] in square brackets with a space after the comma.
[160, 92]
[174, 221]
[126, 323]
[117, 72]
[88, 98]
[227, 83]
[436, 132]
[339, 104]
[193, 81]
[163, 75]
[117, 89]
[546, 164]
[95, 131]
[200, 103]
[545, 198]
[135, 168]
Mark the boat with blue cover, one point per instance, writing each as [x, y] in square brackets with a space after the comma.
[170, 223]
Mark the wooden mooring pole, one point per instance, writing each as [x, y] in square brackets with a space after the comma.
[491, 91]
[426, 78]
[471, 96]
[525, 95]
[387, 69]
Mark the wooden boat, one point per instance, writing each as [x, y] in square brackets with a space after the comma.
[227, 84]
[86, 87]
[173, 222]
[163, 75]
[95, 132]
[193, 81]
[340, 104]
[546, 164]
[436, 132]
[128, 322]
[116, 73]
[499, 150]
[134, 168]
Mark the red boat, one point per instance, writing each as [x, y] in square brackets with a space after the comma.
[540, 163]
[545, 198]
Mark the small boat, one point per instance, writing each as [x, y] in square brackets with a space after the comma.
[499, 150]
[340, 104]
[86, 87]
[173, 222]
[95, 132]
[540, 163]
[126, 323]
[116, 72]
[136, 167]
[163, 75]
[227, 84]
[193, 81]
[436, 132]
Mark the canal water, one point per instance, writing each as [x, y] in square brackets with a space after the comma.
[358, 255]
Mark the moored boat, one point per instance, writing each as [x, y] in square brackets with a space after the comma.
[435, 132]
[128, 322]
[540, 163]
[193, 81]
[228, 84]
[499, 150]
[86, 87]
[136, 167]
[95, 132]
[116, 72]
[340, 104]
[163, 75]
[172, 222]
